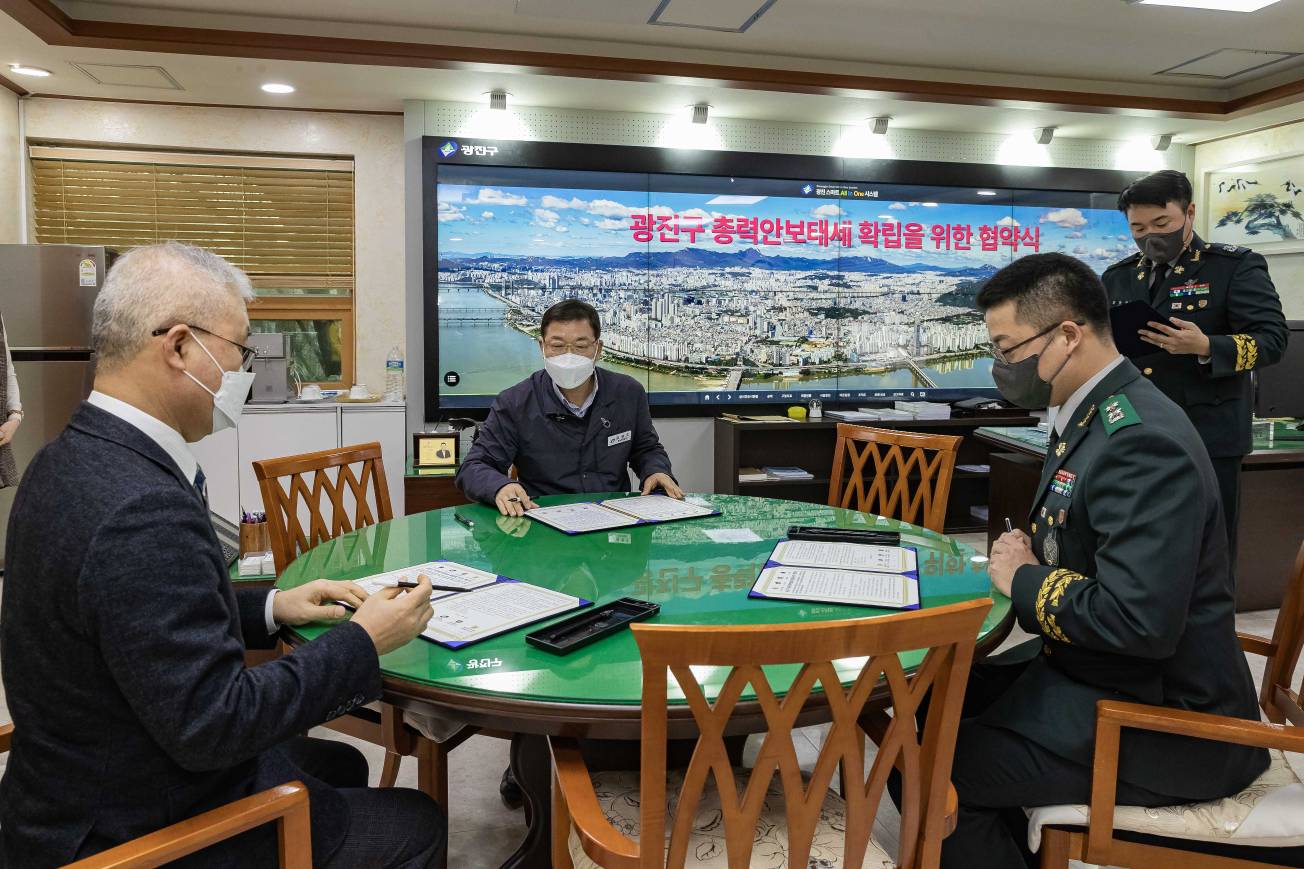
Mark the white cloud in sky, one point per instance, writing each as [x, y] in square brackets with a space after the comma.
[611, 223]
[1079, 251]
[1100, 253]
[828, 211]
[544, 217]
[897, 206]
[447, 212]
[490, 196]
[560, 229]
[1008, 221]
[487, 215]
[1066, 218]
[455, 239]
[1076, 235]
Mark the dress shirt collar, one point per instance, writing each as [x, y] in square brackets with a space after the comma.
[168, 438]
[582, 409]
[1064, 413]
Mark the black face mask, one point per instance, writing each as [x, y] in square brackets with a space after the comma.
[1162, 247]
[1020, 384]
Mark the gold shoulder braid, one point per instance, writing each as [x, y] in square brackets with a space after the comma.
[1048, 596]
[1247, 352]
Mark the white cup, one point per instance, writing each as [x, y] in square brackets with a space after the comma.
[310, 392]
[359, 391]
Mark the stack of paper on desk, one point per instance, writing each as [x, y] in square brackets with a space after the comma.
[845, 573]
[617, 513]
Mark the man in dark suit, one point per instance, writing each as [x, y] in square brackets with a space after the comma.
[1226, 315]
[122, 639]
[1125, 582]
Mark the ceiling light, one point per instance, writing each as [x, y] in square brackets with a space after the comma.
[1218, 5]
[276, 88]
[1043, 135]
[700, 112]
[986, 192]
[1162, 141]
[879, 125]
[20, 69]
[498, 100]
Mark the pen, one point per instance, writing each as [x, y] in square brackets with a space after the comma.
[462, 520]
[1008, 525]
[405, 583]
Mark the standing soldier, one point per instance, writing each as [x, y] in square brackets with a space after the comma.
[1226, 312]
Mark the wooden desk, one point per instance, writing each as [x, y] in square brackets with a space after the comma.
[430, 489]
[1268, 528]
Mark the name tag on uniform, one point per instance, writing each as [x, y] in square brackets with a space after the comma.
[1190, 290]
[622, 438]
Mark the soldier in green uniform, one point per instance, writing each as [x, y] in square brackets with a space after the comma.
[1124, 582]
[1227, 315]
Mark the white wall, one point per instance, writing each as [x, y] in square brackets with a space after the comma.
[375, 142]
[1287, 269]
[10, 215]
[690, 442]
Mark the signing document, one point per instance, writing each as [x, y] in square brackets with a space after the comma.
[856, 574]
[617, 513]
[472, 605]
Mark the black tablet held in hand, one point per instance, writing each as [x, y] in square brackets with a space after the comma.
[1126, 320]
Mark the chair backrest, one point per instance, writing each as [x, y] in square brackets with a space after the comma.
[1279, 701]
[909, 473]
[308, 497]
[948, 633]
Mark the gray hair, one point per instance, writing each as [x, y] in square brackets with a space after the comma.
[158, 286]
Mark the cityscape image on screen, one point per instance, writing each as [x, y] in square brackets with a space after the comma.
[740, 290]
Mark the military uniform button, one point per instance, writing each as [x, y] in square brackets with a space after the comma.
[1147, 372]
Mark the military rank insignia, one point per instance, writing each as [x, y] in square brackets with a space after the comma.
[1061, 449]
[1117, 413]
[1062, 485]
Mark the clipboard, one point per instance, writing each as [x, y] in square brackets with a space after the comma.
[1126, 320]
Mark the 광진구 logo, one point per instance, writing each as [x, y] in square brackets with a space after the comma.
[448, 149]
[808, 189]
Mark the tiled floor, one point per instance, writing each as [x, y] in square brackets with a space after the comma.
[482, 833]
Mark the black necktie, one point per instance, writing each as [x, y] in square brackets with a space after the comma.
[201, 485]
[1161, 272]
[1054, 436]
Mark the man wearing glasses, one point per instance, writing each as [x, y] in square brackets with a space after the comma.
[1124, 582]
[572, 427]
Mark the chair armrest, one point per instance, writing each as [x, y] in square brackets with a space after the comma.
[1256, 645]
[287, 802]
[6, 736]
[603, 842]
[1112, 716]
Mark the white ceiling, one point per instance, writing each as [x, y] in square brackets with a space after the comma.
[1012, 39]
[1097, 40]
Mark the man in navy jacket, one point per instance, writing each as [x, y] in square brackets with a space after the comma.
[572, 427]
[122, 639]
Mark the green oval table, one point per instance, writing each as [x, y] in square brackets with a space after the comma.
[697, 577]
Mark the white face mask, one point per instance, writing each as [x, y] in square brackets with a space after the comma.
[229, 400]
[569, 370]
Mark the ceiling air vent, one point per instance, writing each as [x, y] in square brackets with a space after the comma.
[129, 75]
[728, 16]
[1227, 63]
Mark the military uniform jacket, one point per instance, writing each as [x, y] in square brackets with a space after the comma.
[1226, 291]
[1133, 599]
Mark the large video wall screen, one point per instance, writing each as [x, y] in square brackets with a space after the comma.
[719, 289]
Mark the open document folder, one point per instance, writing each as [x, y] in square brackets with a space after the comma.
[471, 605]
[618, 513]
[855, 574]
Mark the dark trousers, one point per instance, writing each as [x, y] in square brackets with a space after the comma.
[1228, 471]
[389, 828]
[997, 773]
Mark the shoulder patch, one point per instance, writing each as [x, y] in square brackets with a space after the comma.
[1116, 412]
[1125, 262]
[1231, 250]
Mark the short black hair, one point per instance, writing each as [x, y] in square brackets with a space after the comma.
[1049, 288]
[569, 311]
[1159, 189]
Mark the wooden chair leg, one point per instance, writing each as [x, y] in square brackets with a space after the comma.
[1054, 848]
[432, 776]
[389, 772]
[561, 858]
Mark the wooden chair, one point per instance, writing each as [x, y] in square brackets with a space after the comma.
[810, 812]
[911, 473]
[1281, 704]
[286, 804]
[295, 485]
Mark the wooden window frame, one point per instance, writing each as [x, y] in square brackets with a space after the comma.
[315, 308]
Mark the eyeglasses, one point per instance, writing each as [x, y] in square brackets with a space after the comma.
[1002, 356]
[584, 348]
[247, 354]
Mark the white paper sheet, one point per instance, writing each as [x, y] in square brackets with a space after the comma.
[847, 556]
[439, 572]
[658, 508]
[576, 518]
[732, 535]
[465, 618]
[839, 586]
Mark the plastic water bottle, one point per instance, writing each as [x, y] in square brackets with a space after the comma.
[394, 375]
